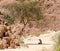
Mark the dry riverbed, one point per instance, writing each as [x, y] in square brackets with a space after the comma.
[32, 43]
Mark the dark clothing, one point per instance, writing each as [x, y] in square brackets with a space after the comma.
[40, 41]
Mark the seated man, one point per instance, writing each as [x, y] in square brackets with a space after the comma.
[40, 41]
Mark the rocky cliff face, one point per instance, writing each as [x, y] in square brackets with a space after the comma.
[52, 10]
[51, 13]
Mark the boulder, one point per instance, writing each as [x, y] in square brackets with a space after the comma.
[2, 30]
[14, 43]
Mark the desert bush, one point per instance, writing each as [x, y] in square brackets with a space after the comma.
[25, 12]
[9, 19]
[57, 42]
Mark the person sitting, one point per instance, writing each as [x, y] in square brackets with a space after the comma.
[40, 41]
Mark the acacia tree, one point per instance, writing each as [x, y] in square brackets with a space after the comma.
[25, 12]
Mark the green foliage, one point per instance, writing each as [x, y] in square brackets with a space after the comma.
[57, 48]
[29, 11]
[9, 19]
[57, 45]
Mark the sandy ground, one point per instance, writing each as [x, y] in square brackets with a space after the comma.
[47, 43]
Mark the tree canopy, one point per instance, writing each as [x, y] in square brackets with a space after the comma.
[30, 11]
